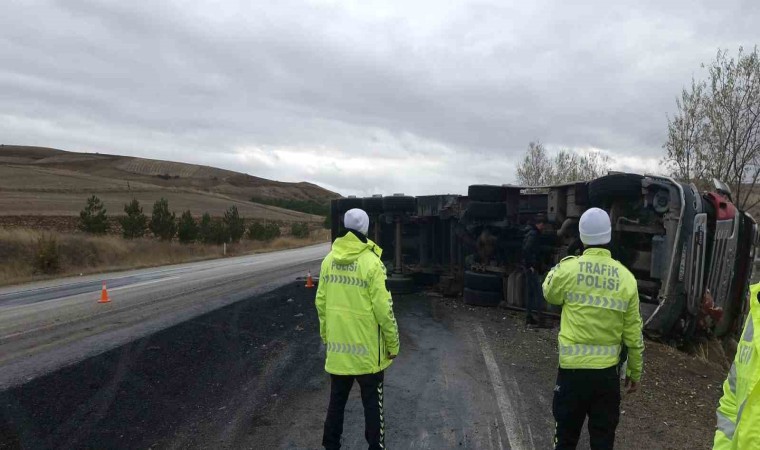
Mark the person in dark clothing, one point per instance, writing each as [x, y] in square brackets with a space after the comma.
[358, 328]
[531, 251]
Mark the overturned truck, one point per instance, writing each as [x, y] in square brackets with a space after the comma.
[691, 252]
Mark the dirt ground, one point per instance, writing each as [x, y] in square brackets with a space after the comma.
[674, 407]
[251, 375]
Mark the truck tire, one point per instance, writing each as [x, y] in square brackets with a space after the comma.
[486, 211]
[400, 285]
[481, 298]
[487, 193]
[344, 204]
[615, 186]
[488, 282]
[399, 204]
[372, 205]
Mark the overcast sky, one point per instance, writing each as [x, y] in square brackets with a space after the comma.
[360, 97]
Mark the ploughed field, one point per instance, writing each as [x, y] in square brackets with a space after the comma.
[50, 182]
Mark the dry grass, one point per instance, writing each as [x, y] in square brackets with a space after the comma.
[84, 254]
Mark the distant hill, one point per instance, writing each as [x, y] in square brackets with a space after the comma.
[51, 182]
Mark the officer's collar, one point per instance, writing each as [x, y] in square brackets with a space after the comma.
[597, 251]
[358, 235]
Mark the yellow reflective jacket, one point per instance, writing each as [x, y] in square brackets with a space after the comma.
[355, 309]
[739, 408]
[600, 310]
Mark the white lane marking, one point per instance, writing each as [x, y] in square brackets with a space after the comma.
[498, 434]
[511, 423]
[144, 283]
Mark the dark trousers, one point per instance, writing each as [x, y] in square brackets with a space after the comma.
[372, 398]
[586, 392]
[534, 297]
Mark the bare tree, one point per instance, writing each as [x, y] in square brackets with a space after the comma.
[688, 135]
[535, 168]
[569, 166]
[538, 169]
[716, 131]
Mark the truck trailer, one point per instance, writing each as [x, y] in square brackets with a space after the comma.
[691, 252]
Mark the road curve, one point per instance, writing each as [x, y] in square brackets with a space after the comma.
[47, 325]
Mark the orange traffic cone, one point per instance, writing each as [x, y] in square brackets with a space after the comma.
[309, 280]
[104, 294]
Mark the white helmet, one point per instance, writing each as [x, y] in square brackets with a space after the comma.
[595, 228]
[356, 219]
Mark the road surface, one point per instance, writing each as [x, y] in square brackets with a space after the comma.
[44, 326]
[250, 375]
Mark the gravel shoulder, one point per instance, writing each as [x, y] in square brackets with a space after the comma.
[674, 408]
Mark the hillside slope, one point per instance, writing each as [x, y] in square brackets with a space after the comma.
[51, 182]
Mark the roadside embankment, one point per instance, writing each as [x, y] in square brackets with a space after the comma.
[674, 408]
[29, 255]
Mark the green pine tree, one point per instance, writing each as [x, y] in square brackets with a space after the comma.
[93, 218]
[135, 223]
[205, 229]
[234, 224]
[187, 230]
[163, 224]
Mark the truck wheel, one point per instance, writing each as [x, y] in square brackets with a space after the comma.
[615, 186]
[487, 193]
[481, 298]
[372, 204]
[344, 204]
[489, 282]
[400, 285]
[486, 211]
[399, 204]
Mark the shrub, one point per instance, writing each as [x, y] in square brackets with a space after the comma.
[187, 230]
[263, 232]
[135, 224]
[213, 231]
[234, 224]
[163, 224]
[316, 207]
[93, 218]
[47, 258]
[300, 230]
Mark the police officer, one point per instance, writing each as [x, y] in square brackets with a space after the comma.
[600, 311]
[532, 257]
[739, 408]
[358, 328]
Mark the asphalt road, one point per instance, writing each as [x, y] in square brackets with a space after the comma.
[251, 376]
[447, 389]
[226, 354]
[44, 326]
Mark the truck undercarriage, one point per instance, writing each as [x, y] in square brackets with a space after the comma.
[691, 253]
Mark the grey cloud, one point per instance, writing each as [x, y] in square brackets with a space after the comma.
[468, 86]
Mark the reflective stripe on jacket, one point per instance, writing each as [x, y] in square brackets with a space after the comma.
[600, 311]
[355, 309]
[738, 413]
